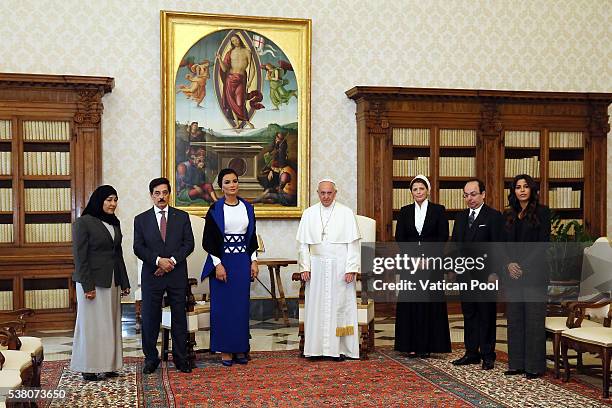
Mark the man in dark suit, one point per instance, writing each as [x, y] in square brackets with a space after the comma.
[478, 223]
[162, 240]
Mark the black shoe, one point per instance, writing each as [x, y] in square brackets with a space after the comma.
[514, 372]
[90, 377]
[342, 357]
[149, 367]
[532, 376]
[488, 364]
[111, 374]
[183, 366]
[412, 355]
[423, 355]
[465, 360]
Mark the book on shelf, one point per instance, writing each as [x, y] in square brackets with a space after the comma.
[457, 137]
[47, 199]
[451, 225]
[566, 140]
[526, 165]
[5, 163]
[6, 233]
[401, 197]
[6, 199]
[47, 298]
[46, 163]
[457, 166]
[410, 168]
[452, 199]
[5, 130]
[51, 232]
[46, 130]
[522, 138]
[566, 169]
[6, 300]
[564, 197]
[411, 137]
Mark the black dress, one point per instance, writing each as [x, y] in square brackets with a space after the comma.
[422, 327]
[526, 296]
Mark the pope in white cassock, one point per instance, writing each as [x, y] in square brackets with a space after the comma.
[329, 260]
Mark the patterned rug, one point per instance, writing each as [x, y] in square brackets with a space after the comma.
[282, 379]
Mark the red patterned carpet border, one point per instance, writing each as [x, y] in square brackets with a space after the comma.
[282, 379]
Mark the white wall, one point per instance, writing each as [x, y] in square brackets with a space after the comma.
[492, 44]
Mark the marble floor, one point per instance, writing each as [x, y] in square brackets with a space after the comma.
[267, 335]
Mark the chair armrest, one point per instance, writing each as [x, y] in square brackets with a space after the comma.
[9, 338]
[577, 312]
[19, 313]
[18, 326]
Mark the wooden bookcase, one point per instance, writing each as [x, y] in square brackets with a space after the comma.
[557, 137]
[50, 162]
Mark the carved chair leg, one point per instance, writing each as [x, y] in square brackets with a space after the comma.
[191, 355]
[371, 333]
[165, 346]
[606, 372]
[363, 344]
[556, 349]
[564, 347]
[301, 335]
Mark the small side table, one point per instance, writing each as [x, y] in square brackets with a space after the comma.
[274, 268]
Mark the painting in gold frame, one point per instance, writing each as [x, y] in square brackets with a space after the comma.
[236, 93]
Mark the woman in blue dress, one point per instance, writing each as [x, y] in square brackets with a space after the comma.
[231, 243]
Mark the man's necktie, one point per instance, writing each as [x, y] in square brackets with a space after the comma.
[162, 225]
[471, 218]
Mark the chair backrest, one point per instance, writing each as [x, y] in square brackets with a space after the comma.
[596, 266]
[367, 228]
[195, 261]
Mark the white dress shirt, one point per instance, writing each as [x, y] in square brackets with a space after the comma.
[420, 211]
[158, 215]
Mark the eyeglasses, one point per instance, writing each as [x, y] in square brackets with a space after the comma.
[472, 194]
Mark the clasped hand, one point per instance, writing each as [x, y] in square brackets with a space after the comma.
[514, 270]
[164, 265]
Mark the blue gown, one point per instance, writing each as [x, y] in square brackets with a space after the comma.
[230, 301]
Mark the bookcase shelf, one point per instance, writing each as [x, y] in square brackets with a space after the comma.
[509, 133]
[50, 154]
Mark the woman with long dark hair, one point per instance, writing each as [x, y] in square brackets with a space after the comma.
[526, 278]
[101, 279]
[231, 242]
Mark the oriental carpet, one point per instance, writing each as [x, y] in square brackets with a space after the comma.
[283, 379]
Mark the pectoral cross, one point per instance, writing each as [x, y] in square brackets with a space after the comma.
[323, 234]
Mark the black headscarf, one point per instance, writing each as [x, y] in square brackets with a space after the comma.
[96, 201]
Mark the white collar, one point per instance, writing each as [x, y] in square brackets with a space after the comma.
[158, 210]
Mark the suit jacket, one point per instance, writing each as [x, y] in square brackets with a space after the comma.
[532, 258]
[97, 255]
[487, 227]
[435, 227]
[148, 245]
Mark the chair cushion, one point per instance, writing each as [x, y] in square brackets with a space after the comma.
[9, 379]
[556, 324]
[32, 345]
[601, 336]
[16, 360]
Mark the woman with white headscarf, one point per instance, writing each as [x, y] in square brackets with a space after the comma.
[421, 327]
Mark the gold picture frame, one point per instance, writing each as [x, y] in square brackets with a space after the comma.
[236, 93]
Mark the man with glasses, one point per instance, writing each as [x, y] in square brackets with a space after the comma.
[478, 223]
[162, 240]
